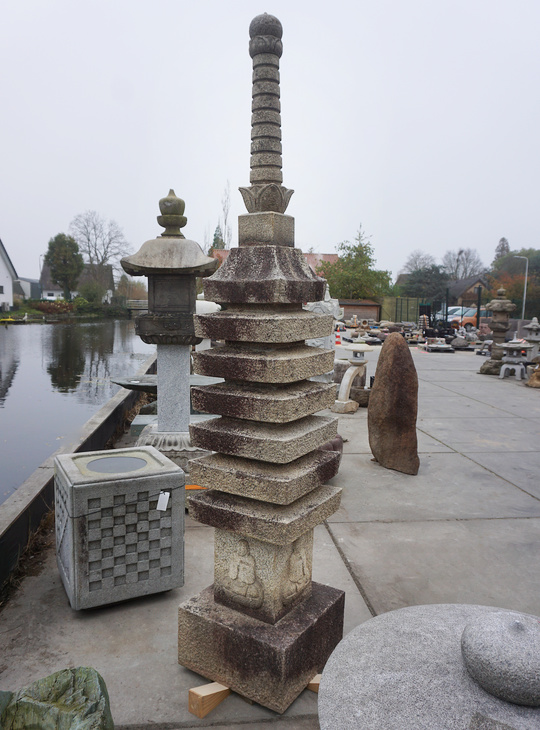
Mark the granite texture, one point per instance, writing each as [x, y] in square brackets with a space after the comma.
[274, 483]
[393, 407]
[404, 669]
[288, 364]
[276, 443]
[264, 275]
[71, 698]
[112, 543]
[261, 579]
[271, 228]
[277, 524]
[262, 402]
[263, 325]
[173, 367]
[269, 664]
[502, 653]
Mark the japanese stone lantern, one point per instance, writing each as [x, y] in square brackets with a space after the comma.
[172, 263]
[501, 308]
[533, 336]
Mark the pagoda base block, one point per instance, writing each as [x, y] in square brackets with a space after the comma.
[268, 663]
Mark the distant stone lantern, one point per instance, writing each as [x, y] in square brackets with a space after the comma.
[533, 336]
[172, 263]
[501, 308]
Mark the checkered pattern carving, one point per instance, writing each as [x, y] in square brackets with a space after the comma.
[128, 541]
[61, 520]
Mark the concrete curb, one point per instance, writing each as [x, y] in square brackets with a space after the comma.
[22, 512]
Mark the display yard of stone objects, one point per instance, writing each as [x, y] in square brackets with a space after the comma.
[261, 451]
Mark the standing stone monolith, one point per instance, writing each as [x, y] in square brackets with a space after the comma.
[264, 628]
[393, 406]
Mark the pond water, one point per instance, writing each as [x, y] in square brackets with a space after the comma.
[53, 378]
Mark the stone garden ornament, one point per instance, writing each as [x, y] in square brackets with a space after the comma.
[264, 628]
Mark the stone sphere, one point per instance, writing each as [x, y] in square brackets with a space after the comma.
[265, 24]
[502, 653]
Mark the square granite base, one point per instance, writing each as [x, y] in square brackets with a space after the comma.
[269, 664]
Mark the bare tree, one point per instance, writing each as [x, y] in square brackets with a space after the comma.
[418, 260]
[225, 207]
[462, 263]
[101, 242]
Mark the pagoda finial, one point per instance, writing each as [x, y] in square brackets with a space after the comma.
[172, 217]
[266, 192]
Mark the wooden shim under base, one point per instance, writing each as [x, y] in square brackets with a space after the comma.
[203, 699]
[315, 682]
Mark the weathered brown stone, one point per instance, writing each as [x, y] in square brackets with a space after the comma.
[263, 326]
[266, 403]
[278, 444]
[264, 275]
[269, 664]
[275, 483]
[288, 364]
[393, 406]
[275, 523]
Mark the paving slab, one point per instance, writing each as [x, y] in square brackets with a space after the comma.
[482, 434]
[486, 562]
[522, 469]
[458, 406]
[448, 486]
[353, 429]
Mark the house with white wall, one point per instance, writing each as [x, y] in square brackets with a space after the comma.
[51, 290]
[7, 276]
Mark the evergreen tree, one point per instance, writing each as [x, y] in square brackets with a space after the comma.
[353, 275]
[65, 262]
[503, 249]
[218, 241]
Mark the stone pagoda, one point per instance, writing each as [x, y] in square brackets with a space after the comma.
[264, 628]
[500, 324]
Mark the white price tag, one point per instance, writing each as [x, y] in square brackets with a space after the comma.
[163, 501]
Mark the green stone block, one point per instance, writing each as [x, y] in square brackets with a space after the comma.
[71, 699]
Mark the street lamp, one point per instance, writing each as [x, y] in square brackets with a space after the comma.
[525, 286]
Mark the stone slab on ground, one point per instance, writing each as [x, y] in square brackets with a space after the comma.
[448, 486]
[490, 562]
[522, 470]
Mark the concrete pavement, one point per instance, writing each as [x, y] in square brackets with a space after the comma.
[466, 529]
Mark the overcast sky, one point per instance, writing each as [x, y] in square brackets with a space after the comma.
[419, 119]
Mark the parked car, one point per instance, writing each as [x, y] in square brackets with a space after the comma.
[468, 318]
[451, 313]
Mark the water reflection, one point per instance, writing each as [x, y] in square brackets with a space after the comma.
[53, 378]
[9, 362]
[67, 359]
